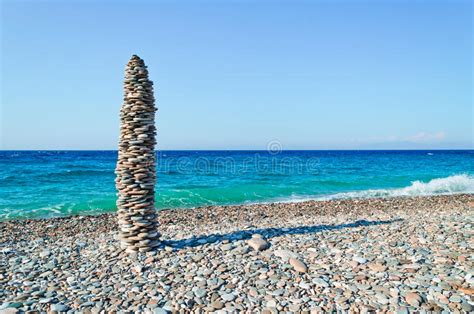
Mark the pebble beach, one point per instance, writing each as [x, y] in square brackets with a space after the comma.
[403, 255]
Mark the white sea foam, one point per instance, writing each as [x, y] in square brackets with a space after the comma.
[456, 184]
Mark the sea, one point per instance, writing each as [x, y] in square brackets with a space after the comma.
[42, 184]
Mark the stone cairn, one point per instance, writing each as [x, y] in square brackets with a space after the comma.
[135, 171]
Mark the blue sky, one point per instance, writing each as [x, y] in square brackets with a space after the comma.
[241, 74]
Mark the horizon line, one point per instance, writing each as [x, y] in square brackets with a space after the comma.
[240, 150]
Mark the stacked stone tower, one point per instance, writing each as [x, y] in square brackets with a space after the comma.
[135, 171]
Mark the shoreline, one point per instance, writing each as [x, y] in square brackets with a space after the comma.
[327, 198]
[232, 207]
[415, 251]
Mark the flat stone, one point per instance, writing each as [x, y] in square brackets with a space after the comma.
[12, 305]
[467, 291]
[320, 282]
[258, 244]
[9, 310]
[377, 267]
[45, 253]
[413, 299]
[59, 307]
[466, 307]
[285, 255]
[200, 292]
[359, 259]
[228, 297]
[294, 308]
[227, 247]
[217, 304]
[298, 265]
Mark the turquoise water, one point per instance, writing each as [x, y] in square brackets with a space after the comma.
[38, 184]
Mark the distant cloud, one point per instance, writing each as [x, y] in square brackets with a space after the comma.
[424, 137]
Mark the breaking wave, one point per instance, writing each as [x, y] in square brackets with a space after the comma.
[456, 184]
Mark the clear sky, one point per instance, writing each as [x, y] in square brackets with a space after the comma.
[240, 74]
